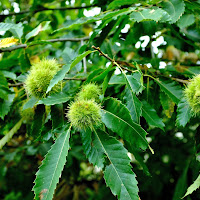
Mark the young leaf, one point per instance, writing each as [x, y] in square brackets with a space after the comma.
[5, 105]
[193, 187]
[90, 149]
[118, 175]
[102, 76]
[59, 76]
[18, 31]
[106, 81]
[117, 79]
[186, 20]
[183, 113]
[149, 113]
[104, 16]
[41, 27]
[50, 171]
[117, 118]
[153, 13]
[173, 90]
[68, 56]
[56, 98]
[133, 104]
[175, 8]
[30, 103]
[134, 82]
[10, 134]
[9, 26]
[79, 58]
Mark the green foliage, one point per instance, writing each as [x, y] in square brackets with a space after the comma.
[125, 74]
[175, 9]
[53, 99]
[117, 118]
[186, 20]
[133, 105]
[148, 14]
[193, 187]
[151, 116]
[38, 121]
[173, 90]
[41, 27]
[52, 166]
[117, 174]
[16, 29]
[10, 134]
[183, 113]
[118, 3]
[5, 105]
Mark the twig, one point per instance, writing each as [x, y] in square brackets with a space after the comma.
[15, 84]
[180, 80]
[46, 9]
[75, 79]
[103, 54]
[9, 49]
[117, 63]
[110, 59]
[67, 78]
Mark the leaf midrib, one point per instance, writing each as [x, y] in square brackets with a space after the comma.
[134, 107]
[68, 131]
[167, 89]
[111, 162]
[149, 115]
[128, 125]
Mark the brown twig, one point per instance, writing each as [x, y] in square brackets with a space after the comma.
[119, 63]
[103, 54]
[75, 79]
[180, 80]
[110, 59]
[67, 78]
[15, 84]
[46, 9]
[9, 49]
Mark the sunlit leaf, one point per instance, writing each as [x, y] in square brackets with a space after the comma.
[175, 8]
[41, 27]
[193, 187]
[7, 42]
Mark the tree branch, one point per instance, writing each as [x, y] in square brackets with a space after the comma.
[110, 59]
[67, 78]
[46, 9]
[131, 65]
[9, 49]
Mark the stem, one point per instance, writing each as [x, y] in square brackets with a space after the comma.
[46, 9]
[110, 59]
[20, 46]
